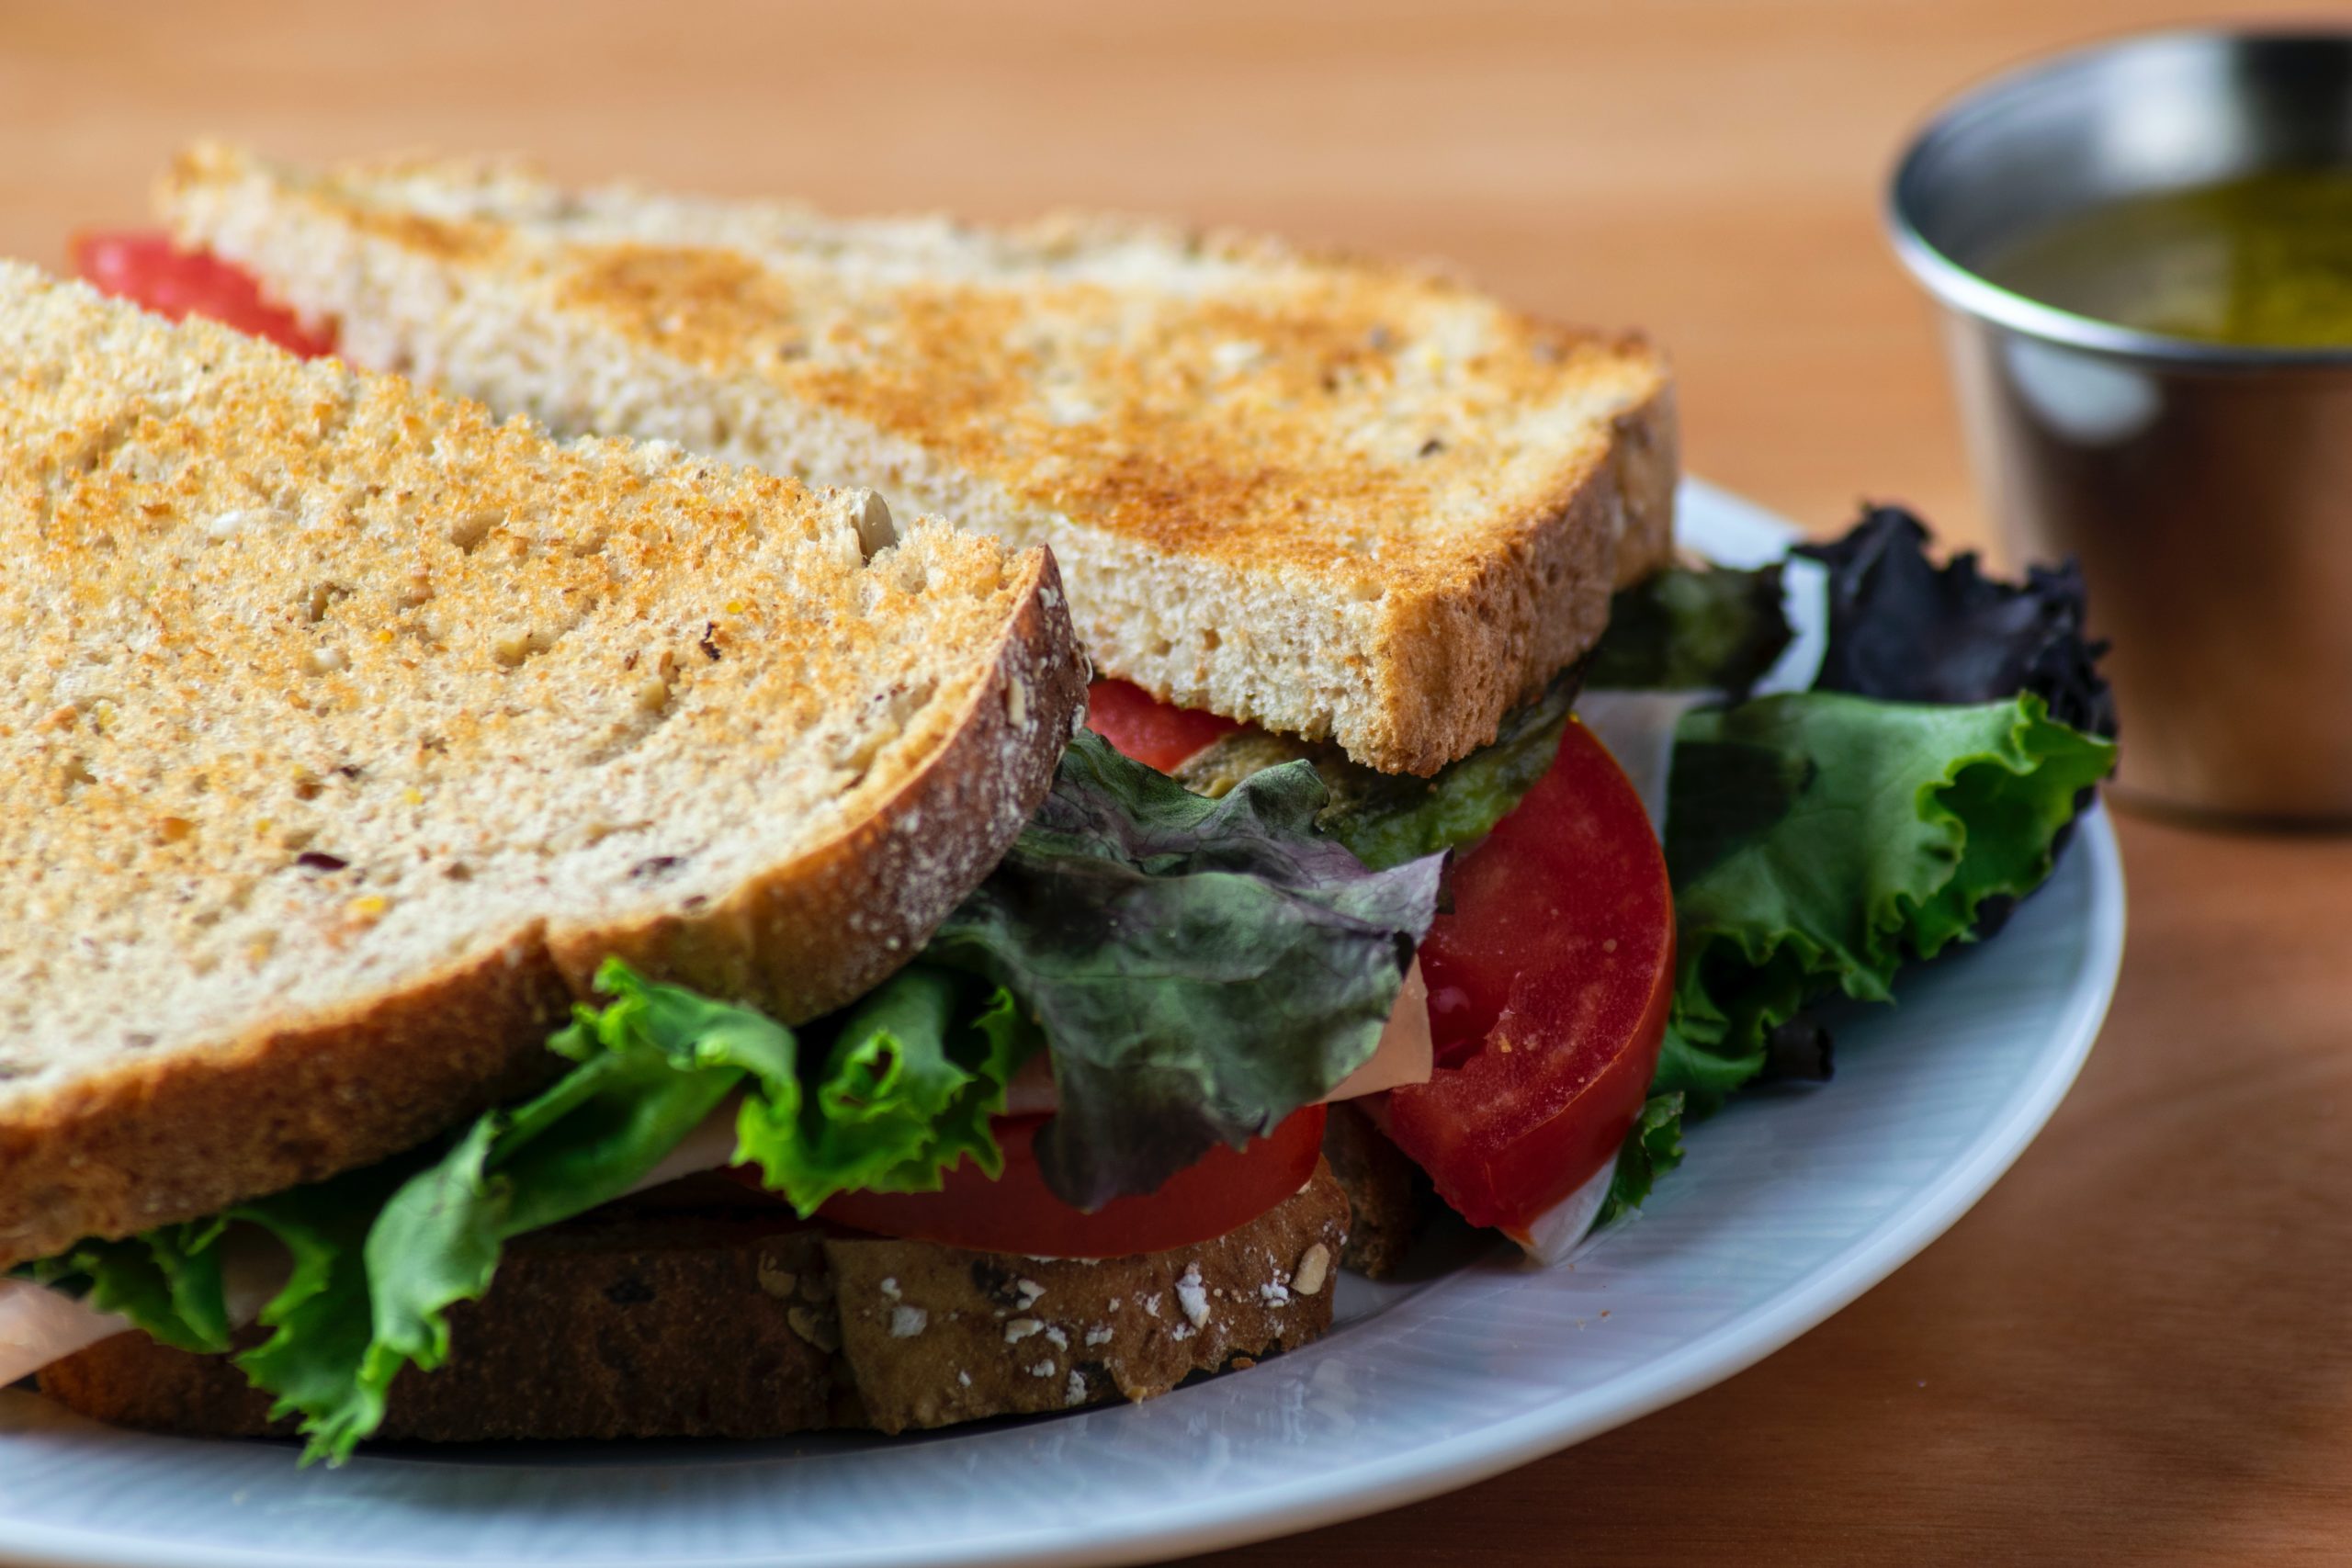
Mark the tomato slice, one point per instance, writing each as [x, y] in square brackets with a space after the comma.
[147, 269]
[1018, 1212]
[1155, 733]
[1549, 986]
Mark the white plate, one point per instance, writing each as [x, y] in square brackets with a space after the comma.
[1791, 1204]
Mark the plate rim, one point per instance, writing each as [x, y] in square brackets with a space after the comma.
[1191, 1524]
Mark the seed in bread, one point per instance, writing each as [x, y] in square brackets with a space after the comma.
[939, 1336]
[1346, 500]
[352, 729]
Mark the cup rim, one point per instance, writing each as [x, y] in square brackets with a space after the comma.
[1963, 289]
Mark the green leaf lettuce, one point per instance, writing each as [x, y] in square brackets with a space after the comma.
[1718, 627]
[1202, 967]
[1817, 840]
[1386, 819]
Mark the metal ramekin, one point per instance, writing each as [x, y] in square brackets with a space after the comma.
[2208, 490]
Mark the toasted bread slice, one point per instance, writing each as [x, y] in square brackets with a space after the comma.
[352, 729]
[1346, 500]
[750, 1324]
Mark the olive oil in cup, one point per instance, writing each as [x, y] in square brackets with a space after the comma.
[2262, 260]
[2143, 254]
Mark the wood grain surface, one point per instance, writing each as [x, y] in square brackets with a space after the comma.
[2135, 1349]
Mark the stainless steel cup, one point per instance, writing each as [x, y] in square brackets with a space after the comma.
[2208, 490]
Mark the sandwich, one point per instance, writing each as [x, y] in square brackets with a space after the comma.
[1102, 1059]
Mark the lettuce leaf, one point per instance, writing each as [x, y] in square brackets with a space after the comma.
[904, 1091]
[914, 1074]
[320, 1358]
[1201, 968]
[1386, 819]
[1905, 629]
[1650, 1150]
[167, 1281]
[1957, 728]
[1817, 840]
[1718, 627]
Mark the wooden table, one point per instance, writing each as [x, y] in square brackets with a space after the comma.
[2135, 1349]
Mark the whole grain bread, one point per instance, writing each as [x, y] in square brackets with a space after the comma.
[741, 1324]
[351, 729]
[1345, 499]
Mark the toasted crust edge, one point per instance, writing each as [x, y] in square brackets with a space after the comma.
[287, 1104]
[1460, 659]
[1647, 456]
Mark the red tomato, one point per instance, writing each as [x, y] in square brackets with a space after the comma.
[1017, 1213]
[147, 269]
[1549, 985]
[1152, 732]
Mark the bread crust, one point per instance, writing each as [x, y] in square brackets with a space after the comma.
[746, 1324]
[188, 1135]
[1648, 457]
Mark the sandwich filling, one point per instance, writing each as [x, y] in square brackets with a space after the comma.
[1128, 1031]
